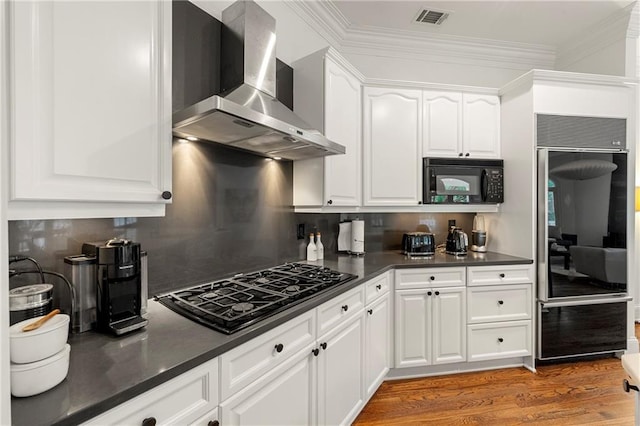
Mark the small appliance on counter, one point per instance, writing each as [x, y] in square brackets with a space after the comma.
[479, 235]
[418, 244]
[113, 271]
[457, 242]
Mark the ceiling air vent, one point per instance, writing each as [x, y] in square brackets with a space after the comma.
[430, 16]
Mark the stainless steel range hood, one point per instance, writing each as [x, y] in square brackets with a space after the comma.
[247, 115]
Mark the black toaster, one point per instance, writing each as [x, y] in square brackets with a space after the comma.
[418, 244]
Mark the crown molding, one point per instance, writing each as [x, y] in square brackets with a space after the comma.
[324, 17]
[565, 77]
[599, 36]
[634, 21]
[333, 26]
[446, 49]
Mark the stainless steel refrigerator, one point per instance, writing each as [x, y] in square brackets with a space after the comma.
[581, 246]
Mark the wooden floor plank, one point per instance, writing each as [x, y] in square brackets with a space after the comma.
[574, 393]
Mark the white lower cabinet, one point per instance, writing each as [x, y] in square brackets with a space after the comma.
[377, 352]
[284, 396]
[430, 326]
[322, 383]
[180, 401]
[340, 374]
[499, 314]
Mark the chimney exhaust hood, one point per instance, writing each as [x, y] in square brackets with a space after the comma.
[246, 115]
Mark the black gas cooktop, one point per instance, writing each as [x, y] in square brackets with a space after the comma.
[232, 304]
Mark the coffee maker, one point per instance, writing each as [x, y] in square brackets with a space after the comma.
[118, 281]
[478, 235]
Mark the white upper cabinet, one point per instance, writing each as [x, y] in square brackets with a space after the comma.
[481, 126]
[460, 124]
[392, 134]
[442, 135]
[91, 108]
[328, 95]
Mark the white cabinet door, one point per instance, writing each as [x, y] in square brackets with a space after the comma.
[481, 133]
[449, 325]
[328, 96]
[392, 146]
[377, 351]
[413, 328]
[91, 103]
[442, 126]
[283, 397]
[180, 401]
[340, 374]
[342, 118]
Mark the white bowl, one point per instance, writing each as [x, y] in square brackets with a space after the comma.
[32, 346]
[37, 377]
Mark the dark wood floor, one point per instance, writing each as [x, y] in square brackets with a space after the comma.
[577, 393]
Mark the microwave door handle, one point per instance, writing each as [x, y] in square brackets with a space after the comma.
[484, 185]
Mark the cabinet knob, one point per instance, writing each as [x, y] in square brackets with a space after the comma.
[460, 155]
[500, 302]
[501, 275]
[315, 351]
[370, 311]
[432, 278]
[323, 345]
[467, 154]
[213, 423]
[437, 293]
[627, 387]
[419, 202]
[379, 287]
[500, 339]
[330, 202]
[429, 293]
[279, 347]
[149, 421]
[166, 195]
[345, 308]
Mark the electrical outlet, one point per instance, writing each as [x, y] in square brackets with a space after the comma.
[301, 233]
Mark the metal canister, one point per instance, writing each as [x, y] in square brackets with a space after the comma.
[81, 270]
[30, 301]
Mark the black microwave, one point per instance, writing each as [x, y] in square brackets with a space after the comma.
[462, 181]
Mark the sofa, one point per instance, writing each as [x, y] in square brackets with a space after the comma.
[604, 264]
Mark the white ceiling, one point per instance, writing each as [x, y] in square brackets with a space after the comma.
[540, 22]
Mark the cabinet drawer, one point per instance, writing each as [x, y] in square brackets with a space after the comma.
[497, 275]
[181, 400]
[251, 360]
[377, 287]
[499, 303]
[499, 340]
[430, 277]
[339, 309]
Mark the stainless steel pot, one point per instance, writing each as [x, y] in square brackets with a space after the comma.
[29, 302]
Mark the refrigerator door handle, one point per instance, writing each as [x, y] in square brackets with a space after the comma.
[582, 302]
[544, 286]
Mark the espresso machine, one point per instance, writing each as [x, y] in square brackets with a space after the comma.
[118, 279]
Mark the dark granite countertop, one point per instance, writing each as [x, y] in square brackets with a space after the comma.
[105, 371]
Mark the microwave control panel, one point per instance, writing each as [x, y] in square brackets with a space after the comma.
[495, 185]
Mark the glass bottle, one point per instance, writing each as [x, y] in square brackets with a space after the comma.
[312, 252]
[319, 247]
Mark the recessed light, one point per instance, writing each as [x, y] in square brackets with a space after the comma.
[277, 158]
[181, 140]
[192, 138]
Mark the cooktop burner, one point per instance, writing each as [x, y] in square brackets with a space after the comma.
[231, 304]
